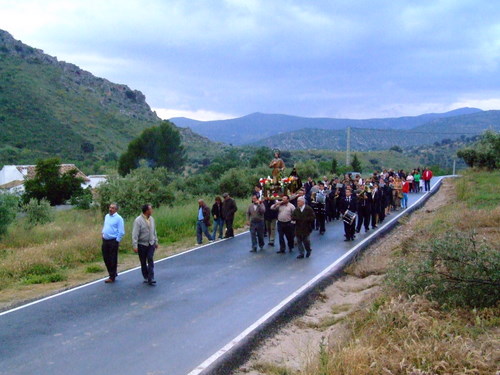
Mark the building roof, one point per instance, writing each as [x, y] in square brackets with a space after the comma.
[29, 171]
[12, 184]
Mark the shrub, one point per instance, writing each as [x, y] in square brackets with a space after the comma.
[83, 200]
[454, 269]
[38, 212]
[142, 185]
[238, 182]
[307, 169]
[8, 210]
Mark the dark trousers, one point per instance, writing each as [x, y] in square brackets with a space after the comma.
[229, 227]
[146, 253]
[303, 241]
[427, 184]
[202, 229]
[257, 234]
[349, 230]
[363, 218]
[320, 221]
[285, 229]
[110, 256]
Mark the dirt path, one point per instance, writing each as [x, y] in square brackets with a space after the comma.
[296, 346]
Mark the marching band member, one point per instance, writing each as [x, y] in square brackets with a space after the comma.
[349, 203]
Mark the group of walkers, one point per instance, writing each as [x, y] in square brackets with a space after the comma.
[356, 201]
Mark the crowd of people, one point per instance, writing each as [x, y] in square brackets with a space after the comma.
[358, 202]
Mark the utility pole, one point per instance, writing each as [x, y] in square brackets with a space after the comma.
[454, 166]
[348, 149]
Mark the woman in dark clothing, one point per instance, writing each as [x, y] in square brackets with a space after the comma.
[218, 219]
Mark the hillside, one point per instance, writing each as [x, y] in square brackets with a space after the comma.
[53, 108]
[382, 139]
[257, 126]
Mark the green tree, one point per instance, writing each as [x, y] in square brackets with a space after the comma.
[356, 164]
[159, 146]
[50, 184]
[485, 153]
[8, 209]
[262, 155]
[141, 186]
[335, 165]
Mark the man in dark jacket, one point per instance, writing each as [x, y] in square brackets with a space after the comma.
[228, 210]
[348, 203]
[255, 219]
[203, 222]
[304, 218]
[364, 199]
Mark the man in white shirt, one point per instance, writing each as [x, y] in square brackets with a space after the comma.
[285, 225]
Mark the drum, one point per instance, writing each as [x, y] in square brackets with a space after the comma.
[349, 217]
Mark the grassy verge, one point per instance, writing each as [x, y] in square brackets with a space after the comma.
[67, 251]
[438, 327]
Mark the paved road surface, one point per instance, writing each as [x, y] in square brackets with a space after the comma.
[203, 300]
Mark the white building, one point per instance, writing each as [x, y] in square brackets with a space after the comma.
[12, 177]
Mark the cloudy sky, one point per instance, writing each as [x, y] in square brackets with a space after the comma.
[216, 59]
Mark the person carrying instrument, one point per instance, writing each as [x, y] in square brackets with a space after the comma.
[364, 199]
[348, 206]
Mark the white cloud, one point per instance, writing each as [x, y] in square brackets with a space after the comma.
[200, 114]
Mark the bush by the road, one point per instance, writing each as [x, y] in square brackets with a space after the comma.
[455, 269]
[141, 186]
[8, 209]
[38, 212]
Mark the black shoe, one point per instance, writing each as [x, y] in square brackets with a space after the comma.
[347, 239]
[152, 282]
[308, 254]
[321, 233]
[280, 252]
[271, 244]
[290, 250]
[357, 230]
[374, 226]
[253, 250]
[367, 230]
[301, 256]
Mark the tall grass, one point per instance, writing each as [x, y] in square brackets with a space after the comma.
[73, 239]
[179, 222]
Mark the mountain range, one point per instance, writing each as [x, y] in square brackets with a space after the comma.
[256, 127]
[367, 139]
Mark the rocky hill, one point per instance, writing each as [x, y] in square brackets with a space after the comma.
[53, 108]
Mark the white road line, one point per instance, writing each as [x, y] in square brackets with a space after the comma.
[101, 280]
[209, 361]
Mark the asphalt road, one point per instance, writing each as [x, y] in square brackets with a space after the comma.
[203, 300]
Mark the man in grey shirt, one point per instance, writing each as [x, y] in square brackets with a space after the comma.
[145, 242]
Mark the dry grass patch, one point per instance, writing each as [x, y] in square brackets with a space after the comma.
[411, 336]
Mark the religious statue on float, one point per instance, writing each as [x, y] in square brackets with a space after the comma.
[277, 165]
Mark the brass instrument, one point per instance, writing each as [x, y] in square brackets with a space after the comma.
[362, 193]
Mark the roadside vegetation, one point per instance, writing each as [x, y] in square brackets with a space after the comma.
[435, 309]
